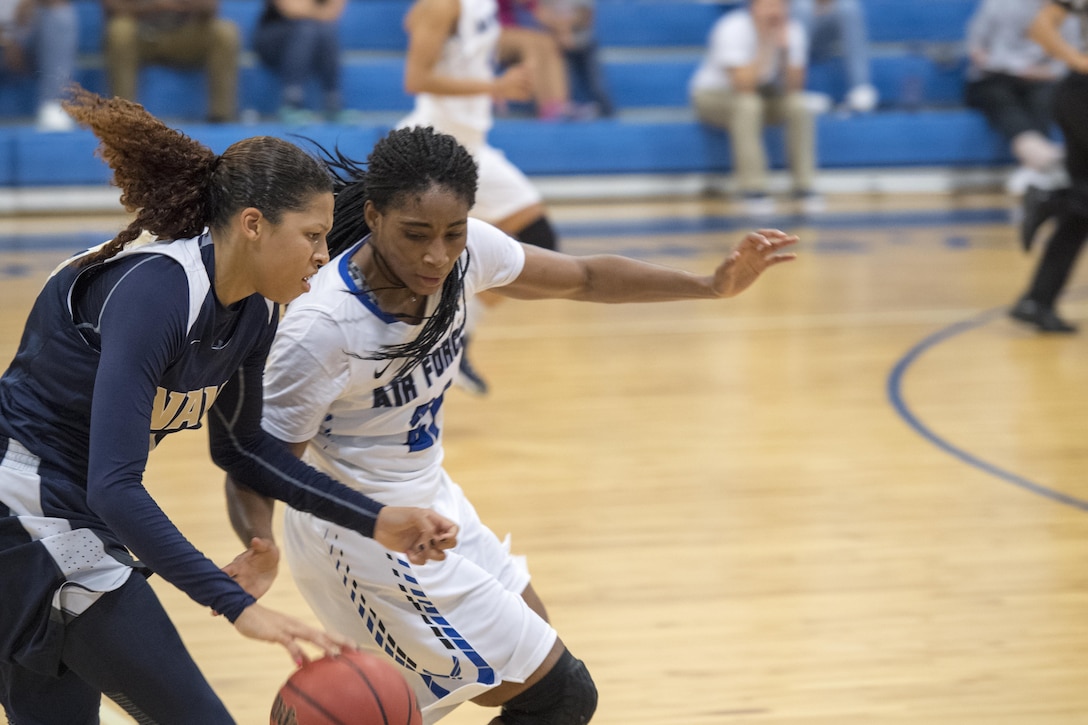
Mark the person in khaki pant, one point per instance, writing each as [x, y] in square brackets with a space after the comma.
[753, 74]
[180, 33]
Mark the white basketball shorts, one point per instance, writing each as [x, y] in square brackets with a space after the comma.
[456, 628]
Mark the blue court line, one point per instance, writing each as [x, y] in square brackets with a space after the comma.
[76, 241]
[895, 395]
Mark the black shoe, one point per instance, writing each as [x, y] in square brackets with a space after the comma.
[1039, 205]
[1044, 318]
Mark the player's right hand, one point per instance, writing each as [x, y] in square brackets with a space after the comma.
[420, 533]
[257, 622]
[255, 568]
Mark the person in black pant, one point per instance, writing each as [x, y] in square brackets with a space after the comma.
[1011, 81]
[1068, 206]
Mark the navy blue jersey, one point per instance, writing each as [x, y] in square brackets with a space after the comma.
[117, 355]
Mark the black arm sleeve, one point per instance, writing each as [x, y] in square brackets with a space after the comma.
[263, 463]
[142, 329]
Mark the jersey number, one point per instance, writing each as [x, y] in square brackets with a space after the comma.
[425, 430]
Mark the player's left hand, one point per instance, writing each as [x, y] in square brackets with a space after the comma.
[420, 533]
[255, 568]
[756, 252]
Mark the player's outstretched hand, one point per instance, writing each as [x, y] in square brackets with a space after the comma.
[257, 622]
[756, 252]
[255, 568]
[420, 533]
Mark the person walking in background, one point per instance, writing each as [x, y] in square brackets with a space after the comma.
[164, 326]
[40, 38]
[1068, 206]
[1011, 80]
[754, 73]
[450, 70]
[836, 28]
[394, 300]
[299, 40]
[572, 22]
[169, 33]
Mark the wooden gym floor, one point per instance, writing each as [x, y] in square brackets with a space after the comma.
[855, 495]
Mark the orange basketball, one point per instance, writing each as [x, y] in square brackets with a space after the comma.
[353, 688]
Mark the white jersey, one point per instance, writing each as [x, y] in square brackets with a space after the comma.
[455, 628]
[372, 428]
[734, 42]
[470, 54]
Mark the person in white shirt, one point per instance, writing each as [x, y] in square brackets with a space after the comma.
[754, 73]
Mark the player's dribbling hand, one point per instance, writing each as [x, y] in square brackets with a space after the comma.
[257, 622]
[756, 252]
[420, 533]
[255, 568]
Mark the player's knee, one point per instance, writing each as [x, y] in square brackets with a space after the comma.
[564, 696]
[539, 233]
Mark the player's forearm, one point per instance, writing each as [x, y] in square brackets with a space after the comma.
[615, 279]
[250, 512]
[441, 85]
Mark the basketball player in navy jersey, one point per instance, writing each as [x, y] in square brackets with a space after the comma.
[127, 343]
[356, 382]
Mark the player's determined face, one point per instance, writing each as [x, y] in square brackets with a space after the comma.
[421, 236]
[292, 250]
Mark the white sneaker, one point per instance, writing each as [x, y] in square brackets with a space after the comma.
[812, 203]
[817, 103]
[863, 98]
[758, 206]
[52, 118]
[1025, 176]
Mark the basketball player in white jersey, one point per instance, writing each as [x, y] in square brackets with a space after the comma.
[450, 70]
[355, 383]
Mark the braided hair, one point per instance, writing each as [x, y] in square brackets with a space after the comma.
[177, 186]
[405, 163]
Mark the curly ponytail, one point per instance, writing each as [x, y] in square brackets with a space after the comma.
[177, 186]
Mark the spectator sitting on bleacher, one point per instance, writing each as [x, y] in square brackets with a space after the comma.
[1011, 79]
[754, 72]
[837, 28]
[571, 22]
[41, 37]
[175, 33]
[523, 41]
[299, 39]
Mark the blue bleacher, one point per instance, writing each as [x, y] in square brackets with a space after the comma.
[650, 47]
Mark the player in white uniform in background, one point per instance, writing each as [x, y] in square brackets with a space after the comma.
[450, 68]
[355, 383]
